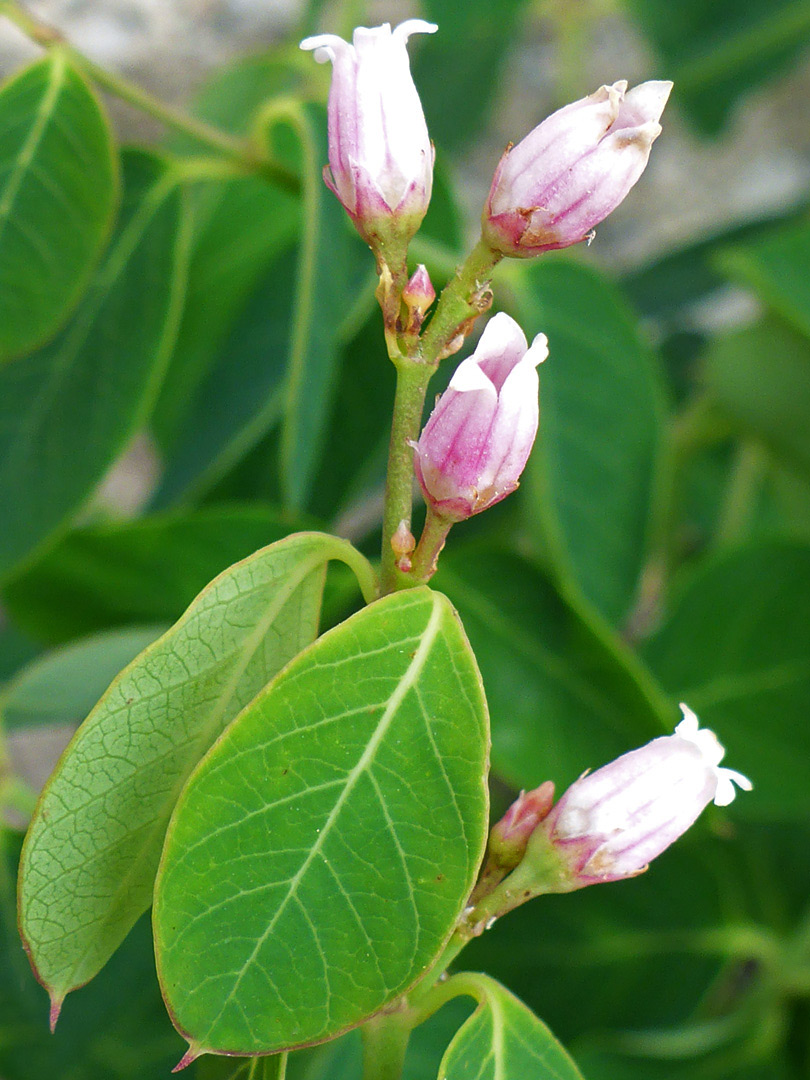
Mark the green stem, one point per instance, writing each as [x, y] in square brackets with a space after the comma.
[412, 382]
[431, 542]
[233, 148]
[743, 488]
[463, 299]
[385, 1044]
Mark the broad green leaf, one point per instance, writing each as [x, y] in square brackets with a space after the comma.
[58, 187]
[592, 474]
[760, 378]
[62, 687]
[322, 298]
[562, 698]
[116, 1029]
[67, 411]
[775, 266]
[240, 225]
[97, 831]
[322, 851]
[736, 648]
[503, 1040]
[716, 52]
[109, 575]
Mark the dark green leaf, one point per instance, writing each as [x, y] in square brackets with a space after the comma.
[775, 266]
[58, 186]
[457, 70]
[592, 474]
[736, 649]
[62, 687]
[716, 52]
[563, 697]
[503, 1040]
[323, 850]
[760, 377]
[149, 730]
[103, 576]
[116, 1029]
[69, 410]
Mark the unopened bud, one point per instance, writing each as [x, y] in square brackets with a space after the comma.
[510, 836]
[476, 443]
[403, 543]
[573, 170]
[417, 296]
[611, 823]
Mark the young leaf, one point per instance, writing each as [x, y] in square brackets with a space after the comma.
[590, 479]
[323, 850]
[58, 187]
[69, 410]
[63, 686]
[503, 1040]
[94, 843]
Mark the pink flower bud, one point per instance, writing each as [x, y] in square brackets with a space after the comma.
[611, 823]
[568, 174]
[478, 438]
[510, 835]
[380, 154]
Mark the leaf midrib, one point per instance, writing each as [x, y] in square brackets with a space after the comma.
[405, 684]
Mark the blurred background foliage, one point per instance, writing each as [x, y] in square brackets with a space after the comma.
[198, 370]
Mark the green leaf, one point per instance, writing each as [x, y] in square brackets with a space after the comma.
[322, 298]
[241, 225]
[592, 474]
[241, 398]
[338, 824]
[149, 730]
[775, 266]
[69, 410]
[760, 377]
[109, 575]
[116, 1029]
[717, 52]
[503, 1040]
[58, 187]
[736, 648]
[562, 697]
[62, 687]
[458, 70]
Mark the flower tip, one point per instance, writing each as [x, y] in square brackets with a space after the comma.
[415, 26]
[539, 349]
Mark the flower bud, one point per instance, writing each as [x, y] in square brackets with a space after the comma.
[611, 823]
[510, 836]
[417, 296]
[380, 154]
[478, 438]
[568, 174]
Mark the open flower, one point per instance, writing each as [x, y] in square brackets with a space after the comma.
[380, 154]
[572, 170]
[476, 443]
[611, 823]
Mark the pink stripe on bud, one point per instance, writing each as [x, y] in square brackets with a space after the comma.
[478, 438]
[573, 170]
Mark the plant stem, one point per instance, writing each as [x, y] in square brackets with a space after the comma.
[743, 488]
[431, 542]
[412, 382]
[463, 299]
[235, 149]
[385, 1044]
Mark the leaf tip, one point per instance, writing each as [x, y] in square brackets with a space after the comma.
[56, 1008]
[188, 1058]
